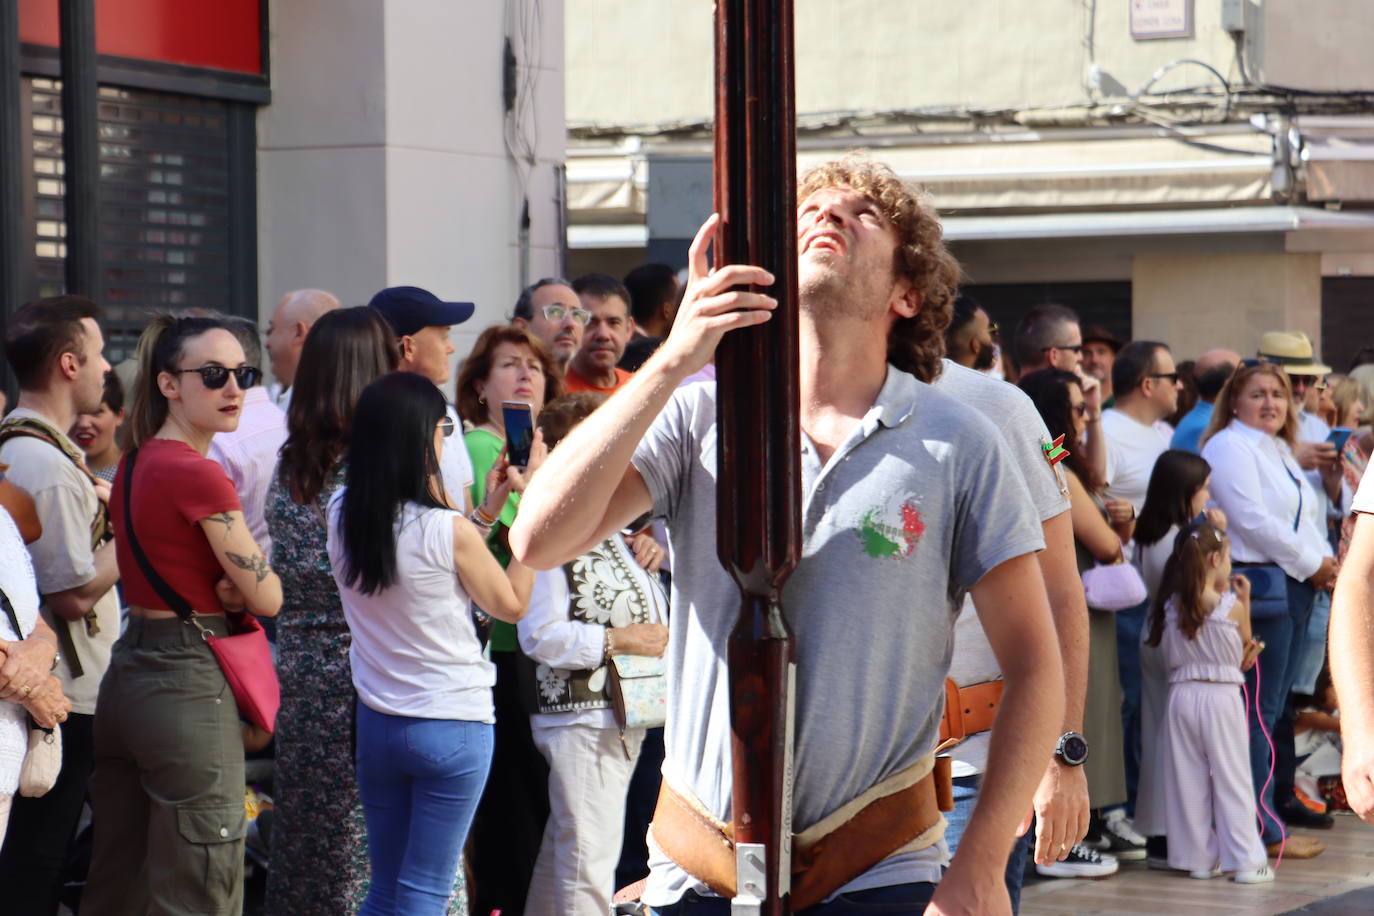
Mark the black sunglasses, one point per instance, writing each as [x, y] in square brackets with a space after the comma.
[1171, 376]
[215, 377]
[1077, 348]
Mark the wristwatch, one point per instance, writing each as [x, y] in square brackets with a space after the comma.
[1072, 749]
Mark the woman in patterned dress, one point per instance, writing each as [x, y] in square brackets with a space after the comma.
[319, 841]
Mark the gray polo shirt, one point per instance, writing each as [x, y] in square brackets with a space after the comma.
[915, 507]
[1022, 428]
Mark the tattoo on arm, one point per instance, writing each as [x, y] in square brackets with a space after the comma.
[256, 564]
[224, 518]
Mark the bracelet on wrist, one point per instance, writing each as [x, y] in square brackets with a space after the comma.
[478, 523]
[609, 649]
[487, 521]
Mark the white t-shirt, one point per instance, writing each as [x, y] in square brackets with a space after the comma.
[1132, 448]
[62, 557]
[455, 467]
[1364, 496]
[415, 650]
[18, 584]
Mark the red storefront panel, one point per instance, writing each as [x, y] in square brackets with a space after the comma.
[218, 34]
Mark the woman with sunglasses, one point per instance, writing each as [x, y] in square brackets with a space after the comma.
[506, 364]
[425, 712]
[168, 783]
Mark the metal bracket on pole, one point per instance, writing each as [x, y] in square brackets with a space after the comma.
[751, 879]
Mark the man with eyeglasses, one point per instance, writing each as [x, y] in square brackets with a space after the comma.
[1048, 337]
[1146, 385]
[552, 312]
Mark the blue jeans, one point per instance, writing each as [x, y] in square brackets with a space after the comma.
[1314, 654]
[1285, 638]
[965, 797]
[897, 900]
[419, 781]
[1128, 626]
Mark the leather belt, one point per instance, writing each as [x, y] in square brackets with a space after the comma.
[900, 814]
[968, 710]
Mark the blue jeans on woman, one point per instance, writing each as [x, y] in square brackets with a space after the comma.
[419, 781]
[1285, 637]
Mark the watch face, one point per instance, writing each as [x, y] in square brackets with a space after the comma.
[1074, 749]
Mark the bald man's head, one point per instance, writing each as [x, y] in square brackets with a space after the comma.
[1212, 370]
[291, 320]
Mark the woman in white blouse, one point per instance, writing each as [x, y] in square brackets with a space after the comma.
[1275, 519]
[601, 604]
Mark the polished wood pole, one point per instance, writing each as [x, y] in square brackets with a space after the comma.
[759, 495]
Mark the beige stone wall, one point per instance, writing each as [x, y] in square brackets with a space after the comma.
[1227, 300]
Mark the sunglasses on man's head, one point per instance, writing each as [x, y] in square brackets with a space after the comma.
[214, 377]
[556, 313]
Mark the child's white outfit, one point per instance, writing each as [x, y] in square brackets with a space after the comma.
[1205, 753]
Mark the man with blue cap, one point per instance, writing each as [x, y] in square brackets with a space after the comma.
[422, 322]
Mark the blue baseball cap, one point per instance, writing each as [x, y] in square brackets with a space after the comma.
[410, 308]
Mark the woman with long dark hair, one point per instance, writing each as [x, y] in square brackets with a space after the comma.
[168, 785]
[409, 568]
[319, 838]
[1058, 395]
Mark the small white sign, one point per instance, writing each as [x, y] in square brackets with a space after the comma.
[1161, 18]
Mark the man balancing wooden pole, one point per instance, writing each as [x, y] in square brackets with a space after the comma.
[908, 499]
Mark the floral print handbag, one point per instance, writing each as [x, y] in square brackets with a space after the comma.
[639, 691]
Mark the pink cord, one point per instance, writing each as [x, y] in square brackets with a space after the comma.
[1269, 779]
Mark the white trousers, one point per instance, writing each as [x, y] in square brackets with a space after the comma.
[1208, 792]
[589, 773]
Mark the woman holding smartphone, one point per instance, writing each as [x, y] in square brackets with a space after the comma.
[506, 364]
[425, 711]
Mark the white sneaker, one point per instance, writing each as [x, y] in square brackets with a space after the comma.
[1204, 874]
[1262, 875]
[1081, 862]
[1119, 824]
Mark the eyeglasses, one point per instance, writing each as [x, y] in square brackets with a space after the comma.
[446, 426]
[1171, 376]
[1076, 348]
[993, 329]
[216, 377]
[556, 313]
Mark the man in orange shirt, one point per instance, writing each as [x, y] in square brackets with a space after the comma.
[593, 366]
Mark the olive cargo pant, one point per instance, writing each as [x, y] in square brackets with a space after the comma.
[167, 792]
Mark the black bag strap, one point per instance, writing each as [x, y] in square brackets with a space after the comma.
[9, 612]
[180, 605]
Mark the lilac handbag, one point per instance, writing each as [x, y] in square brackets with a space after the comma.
[1113, 587]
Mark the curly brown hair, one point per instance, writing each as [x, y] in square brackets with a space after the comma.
[915, 344]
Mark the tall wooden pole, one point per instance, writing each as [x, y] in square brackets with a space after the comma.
[759, 496]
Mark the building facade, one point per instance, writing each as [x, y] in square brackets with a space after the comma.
[245, 148]
[1196, 171]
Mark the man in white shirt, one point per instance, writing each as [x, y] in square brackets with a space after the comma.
[249, 454]
[422, 323]
[1146, 386]
[54, 347]
[290, 322]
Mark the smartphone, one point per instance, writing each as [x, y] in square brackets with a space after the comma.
[519, 420]
[1338, 436]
